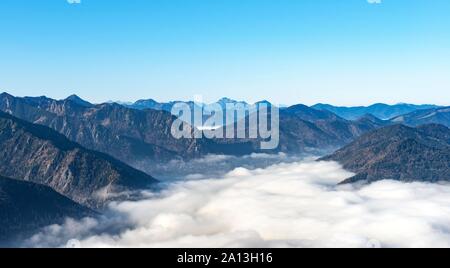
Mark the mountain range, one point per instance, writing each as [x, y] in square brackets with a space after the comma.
[38, 154]
[421, 117]
[399, 153]
[133, 135]
[129, 135]
[379, 110]
[302, 127]
[68, 158]
[143, 134]
[167, 106]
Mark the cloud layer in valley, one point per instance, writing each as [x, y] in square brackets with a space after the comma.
[214, 165]
[285, 205]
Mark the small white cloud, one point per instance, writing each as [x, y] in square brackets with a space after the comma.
[374, 1]
[74, 2]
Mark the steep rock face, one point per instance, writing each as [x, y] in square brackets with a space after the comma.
[38, 154]
[26, 206]
[431, 116]
[398, 153]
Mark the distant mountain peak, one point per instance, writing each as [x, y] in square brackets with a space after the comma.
[227, 100]
[5, 94]
[145, 101]
[300, 106]
[224, 101]
[76, 99]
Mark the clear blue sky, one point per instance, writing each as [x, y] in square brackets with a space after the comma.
[343, 52]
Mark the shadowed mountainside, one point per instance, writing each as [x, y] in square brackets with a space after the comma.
[422, 117]
[38, 154]
[26, 206]
[398, 153]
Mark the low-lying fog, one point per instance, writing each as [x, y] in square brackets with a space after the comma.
[293, 203]
[214, 165]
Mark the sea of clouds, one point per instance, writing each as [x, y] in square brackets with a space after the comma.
[295, 204]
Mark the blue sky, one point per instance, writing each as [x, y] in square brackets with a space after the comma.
[344, 52]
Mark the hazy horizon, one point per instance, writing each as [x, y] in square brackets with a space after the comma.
[214, 101]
